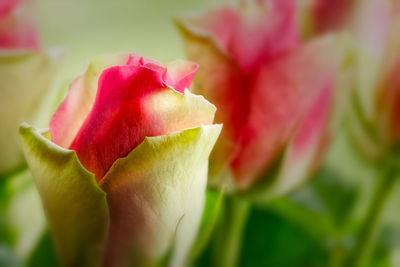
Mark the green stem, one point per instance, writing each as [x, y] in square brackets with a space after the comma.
[336, 256]
[364, 245]
[228, 241]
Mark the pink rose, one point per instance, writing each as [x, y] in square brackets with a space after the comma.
[122, 175]
[273, 92]
[17, 30]
[373, 25]
[89, 133]
[367, 20]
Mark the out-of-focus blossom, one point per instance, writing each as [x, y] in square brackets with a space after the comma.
[17, 28]
[372, 24]
[367, 20]
[25, 76]
[122, 174]
[273, 92]
[331, 15]
[369, 23]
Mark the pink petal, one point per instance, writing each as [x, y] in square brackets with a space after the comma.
[116, 115]
[6, 6]
[250, 34]
[70, 115]
[178, 74]
[219, 25]
[220, 80]
[280, 96]
[136, 60]
[264, 31]
[181, 74]
[315, 120]
[304, 153]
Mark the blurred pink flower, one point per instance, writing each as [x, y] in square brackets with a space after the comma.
[373, 25]
[272, 91]
[17, 30]
[368, 20]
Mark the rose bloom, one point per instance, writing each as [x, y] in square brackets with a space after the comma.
[17, 30]
[377, 132]
[369, 23]
[122, 172]
[274, 93]
[374, 25]
[25, 76]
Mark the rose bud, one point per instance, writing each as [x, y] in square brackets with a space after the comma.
[122, 172]
[25, 73]
[370, 23]
[368, 20]
[274, 94]
[376, 130]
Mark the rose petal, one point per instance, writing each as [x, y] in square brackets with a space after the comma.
[139, 61]
[281, 94]
[6, 6]
[178, 74]
[181, 73]
[220, 80]
[309, 142]
[72, 112]
[264, 31]
[251, 34]
[301, 154]
[218, 25]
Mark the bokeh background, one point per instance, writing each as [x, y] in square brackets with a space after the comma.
[92, 27]
[311, 227]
